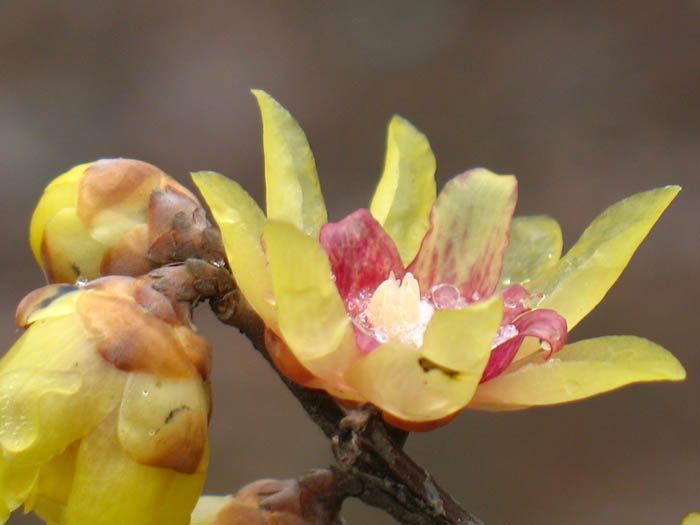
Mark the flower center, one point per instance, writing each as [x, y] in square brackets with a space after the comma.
[397, 312]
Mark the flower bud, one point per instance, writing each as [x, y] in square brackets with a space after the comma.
[263, 502]
[104, 406]
[116, 217]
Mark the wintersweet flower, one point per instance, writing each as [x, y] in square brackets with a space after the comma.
[112, 217]
[425, 305]
[104, 407]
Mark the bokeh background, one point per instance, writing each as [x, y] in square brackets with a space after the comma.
[586, 102]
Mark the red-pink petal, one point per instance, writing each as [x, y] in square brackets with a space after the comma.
[361, 255]
[546, 325]
[468, 234]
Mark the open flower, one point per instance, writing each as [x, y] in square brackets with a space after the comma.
[104, 406]
[423, 306]
[113, 217]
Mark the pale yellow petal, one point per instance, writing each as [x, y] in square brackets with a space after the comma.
[61, 192]
[692, 518]
[54, 388]
[579, 370]
[69, 251]
[311, 314]
[241, 223]
[406, 189]
[460, 340]
[534, 247]
[110, 488]
[396, 378]
[208, 508]
[293, 192]
[583, 276]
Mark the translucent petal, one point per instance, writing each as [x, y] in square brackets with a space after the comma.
[461, 339]
[163, 422]
[54, 388]
[241, 223]
[535, 246]
[293, 192]
[583, 276]
[62, 192]
[395, 378]
[312, 318]
[68, 251]
[468, 234]
[111, 488]
[406, 190]
[579, 370]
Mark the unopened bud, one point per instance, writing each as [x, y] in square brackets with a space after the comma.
[117, 217]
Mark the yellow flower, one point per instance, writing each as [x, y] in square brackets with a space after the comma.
[425, 305]
[111, 217]
[104, 406]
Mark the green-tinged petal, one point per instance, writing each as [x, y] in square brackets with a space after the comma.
[128, 492]
[579, 370]
[584, 275]
[54, 388]
[163, 422]
[69, 251]
[241, 223]
[468, 234]
[311, 314]
[406, 190]
[293, 192]
[535, 246]
[461, 340]
[396, 378]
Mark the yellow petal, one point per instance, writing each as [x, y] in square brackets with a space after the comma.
[293, 192]
[50, 493]
[110, 488]
[163, 422]
[241, 223]
[584, 275]
[54, 388]
[395, 378]
[579, 370]
[406, 190]
[69, 252]
[535, 246]
[460, 340]
[692, 518]
[62, 192]
[311, 314]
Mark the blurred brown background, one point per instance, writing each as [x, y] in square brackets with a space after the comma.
[585, 102]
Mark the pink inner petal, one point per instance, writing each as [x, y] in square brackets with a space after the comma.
[361, 255]
[546, 325]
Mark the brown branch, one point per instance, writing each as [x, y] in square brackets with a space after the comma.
[371, 462]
